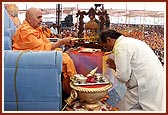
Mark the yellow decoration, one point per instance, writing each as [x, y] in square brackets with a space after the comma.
[91, 35]
[12, 10]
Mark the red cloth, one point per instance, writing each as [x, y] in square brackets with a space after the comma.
[85, 62]
[93, 86]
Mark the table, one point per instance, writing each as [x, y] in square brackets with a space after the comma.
[90, 45]
[86, 61]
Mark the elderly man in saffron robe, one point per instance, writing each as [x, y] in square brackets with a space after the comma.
[29, 36]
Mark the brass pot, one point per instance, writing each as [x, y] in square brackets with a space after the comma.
[91, 96]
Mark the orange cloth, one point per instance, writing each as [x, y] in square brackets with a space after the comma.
[28, 38]
[47, 32]
[68, 71]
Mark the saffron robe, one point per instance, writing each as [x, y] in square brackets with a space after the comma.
[28, 38]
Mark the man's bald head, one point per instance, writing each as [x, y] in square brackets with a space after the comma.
[32, 11]
[34, 17]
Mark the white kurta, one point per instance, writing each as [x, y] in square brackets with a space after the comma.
[139, 68]
[54, 31]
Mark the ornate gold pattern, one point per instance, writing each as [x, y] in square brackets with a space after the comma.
[91, 96]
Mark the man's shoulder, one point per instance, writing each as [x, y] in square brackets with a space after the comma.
[27, 28]
[51, 28]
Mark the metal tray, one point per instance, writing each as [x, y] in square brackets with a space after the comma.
[100, 80]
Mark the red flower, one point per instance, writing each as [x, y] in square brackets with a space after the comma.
[103, 109]
[79, 107]
[91, 79]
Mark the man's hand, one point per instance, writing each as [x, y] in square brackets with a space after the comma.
[110, 63]
[69, 41]
[66, 40]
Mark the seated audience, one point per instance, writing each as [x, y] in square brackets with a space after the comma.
[54, 29]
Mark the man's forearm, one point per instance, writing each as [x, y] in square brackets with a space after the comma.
[57, 44]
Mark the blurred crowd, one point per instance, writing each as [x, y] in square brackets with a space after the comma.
[153, 35]
[55, 31]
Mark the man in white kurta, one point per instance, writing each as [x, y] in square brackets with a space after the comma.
[53, 29]
[140, 69]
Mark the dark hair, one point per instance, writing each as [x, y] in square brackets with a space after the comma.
[109, 33]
